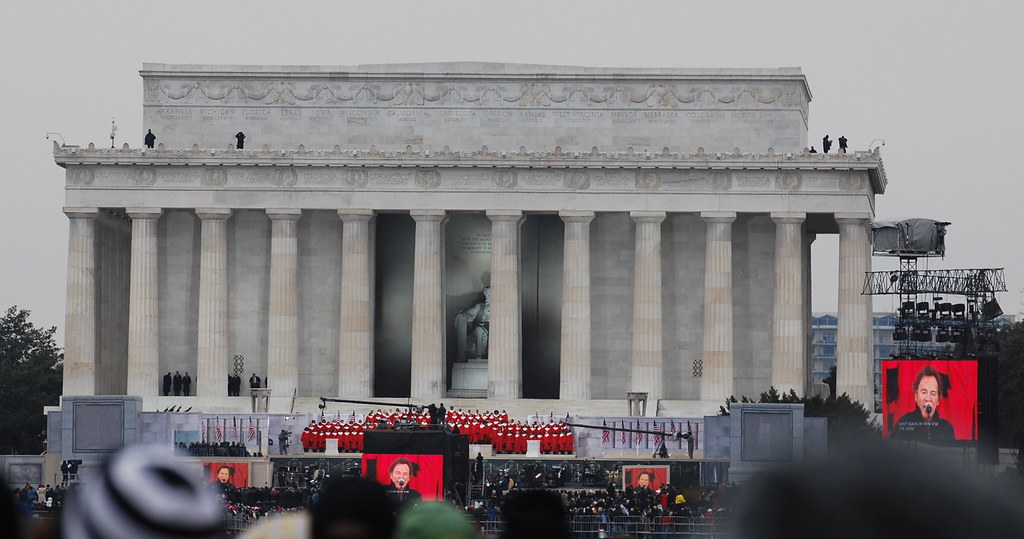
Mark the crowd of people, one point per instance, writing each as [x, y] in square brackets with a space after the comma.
[505, 435]
[141, 493]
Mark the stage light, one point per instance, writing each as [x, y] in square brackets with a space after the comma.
[991, 310]
[922, 334]
[900, 334]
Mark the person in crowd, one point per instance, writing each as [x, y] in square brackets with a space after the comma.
[911, 493]
[923, 422]
[353, 507]
[141, 493]
[167, 383]
[239, 140]
[177, 383]
[842, 144]
[150, 139]
[644, 479]
[186, 384]
[530, 514]
[826, 144]
[434, 520]
[401, 473]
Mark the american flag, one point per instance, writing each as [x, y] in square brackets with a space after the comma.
[252, 430]
[606, 435]
[657, 435]
[639, 435]
[218, 430]
[622, 438]
[234, 428]
[203, 432]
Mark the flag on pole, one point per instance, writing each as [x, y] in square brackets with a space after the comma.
[606, 434]
[219, 431]
[234, 428]
[622, 438]
[639, 436]
[352, 418]
[657, 435]
[252, 430]
[202, 432]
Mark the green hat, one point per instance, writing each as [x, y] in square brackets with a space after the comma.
[434, 520]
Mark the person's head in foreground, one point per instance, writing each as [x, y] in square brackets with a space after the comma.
[142, 492]
[876, 492]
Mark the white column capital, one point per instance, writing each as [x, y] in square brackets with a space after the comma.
[505, 215]
[788, 217]
[718, 216]
[144, 213]
[576, 216]
[654, 217]
[852, 218]
[81, 213]
[284, 214]
[355, 215]
[213, 213]
[429, 215]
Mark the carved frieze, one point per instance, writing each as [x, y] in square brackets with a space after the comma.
[506, 179]
[428, 179]
[465, 93]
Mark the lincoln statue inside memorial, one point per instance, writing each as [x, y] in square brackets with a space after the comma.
[463, 231]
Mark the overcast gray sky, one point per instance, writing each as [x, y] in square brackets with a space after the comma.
[939, 81]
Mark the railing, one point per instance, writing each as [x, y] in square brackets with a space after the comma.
[582, 526]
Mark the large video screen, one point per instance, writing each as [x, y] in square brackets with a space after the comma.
[408, 478]
[930, 400]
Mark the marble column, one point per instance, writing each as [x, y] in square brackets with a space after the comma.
[355, 364]
[716, 382]
[143, 307]
[575, 350]
[647, 354]
[283, 322]
[214, 365]
[504, 359]
[428, 368]
[80, 321]
[789, 339]
[854, 362]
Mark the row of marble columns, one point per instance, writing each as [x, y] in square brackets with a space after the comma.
[789, 334]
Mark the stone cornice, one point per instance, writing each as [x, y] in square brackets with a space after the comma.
[871, 162]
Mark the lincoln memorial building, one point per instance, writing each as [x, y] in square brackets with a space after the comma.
[464, 232]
